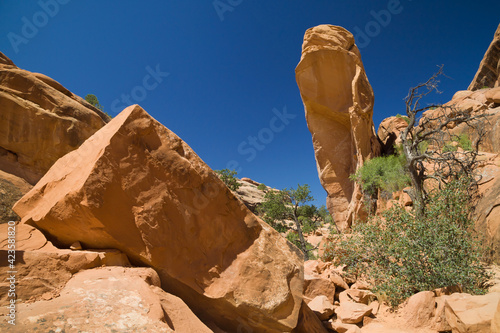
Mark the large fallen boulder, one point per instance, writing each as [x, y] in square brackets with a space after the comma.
[137, 187]
[40, 121]
[338, 102]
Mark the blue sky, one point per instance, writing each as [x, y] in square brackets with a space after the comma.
[220, 74]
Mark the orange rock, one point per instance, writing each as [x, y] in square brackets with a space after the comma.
[493, 95]
[389, 132]
[322, 307]
[308, 322]
[110, 299]
[488, 73]
[315, 285]
[144, 191]
[40, 121]
[352, 313]
[420, 309]
[338, 102]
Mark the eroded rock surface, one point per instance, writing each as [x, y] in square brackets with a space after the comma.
[137, 187]
[338, 101]
[488, 74]
[40, 121]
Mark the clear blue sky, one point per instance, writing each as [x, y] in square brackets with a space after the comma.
[231, 62]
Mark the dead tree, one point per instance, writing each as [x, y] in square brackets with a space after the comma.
[427, 136]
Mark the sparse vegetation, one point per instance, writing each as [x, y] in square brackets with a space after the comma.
[92, 99]
[262, 187]
[9, 195]
[403, 253]
[405, 118]
[229, 178]
[290, 204]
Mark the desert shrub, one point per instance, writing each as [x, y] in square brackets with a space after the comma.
[229, 178]
[403, 254]
[9, 195]
[464, 142]
[448, 147]
[405, 118]
[385, 173]
[262, 187]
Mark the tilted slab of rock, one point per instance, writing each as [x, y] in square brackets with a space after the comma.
[488, 74]
[40, 121]
[338, 101]
[137, 187]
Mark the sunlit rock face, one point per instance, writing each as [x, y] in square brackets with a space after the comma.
[338, 102]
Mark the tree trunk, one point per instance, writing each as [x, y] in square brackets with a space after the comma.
[301, 237]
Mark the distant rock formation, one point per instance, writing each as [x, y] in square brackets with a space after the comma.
[338, 101]
[137, 187]
[40, 121]
[389, 132]
[488, 74]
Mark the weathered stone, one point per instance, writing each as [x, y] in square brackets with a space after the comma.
[356, 296]
[42, 274]
[308, 322]
[419, 309]
[322, 307]
[488, 74]
[352, 313]
[40, 121]
[142, 190]
[493, 95]
[110, 299]
[389, 132]
[470, 314]
[317, 285]
[340, 327]
[338, 101]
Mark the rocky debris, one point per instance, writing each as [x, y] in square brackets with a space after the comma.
[110, 299]
[322, 307]
[308, 322]
[362, 296]
[389, 132]
[250, 181]
[488, 74]
[340, 327]
[143, 191]
[315, 285]
[338, 102]
[40, 121]
[352, 313]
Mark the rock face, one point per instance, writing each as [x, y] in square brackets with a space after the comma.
[389, 133]
[338, 101]
[137, 187]
[488, 74]
[113, 299]
[40, 121]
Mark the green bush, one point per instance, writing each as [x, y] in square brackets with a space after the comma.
[464, 142]
[448, 147]
[402, 254]
[262, 187]
[385, 173]
[228, 177]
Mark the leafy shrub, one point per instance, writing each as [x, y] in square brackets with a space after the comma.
[228, 177]
[403, 254]
[464, 142]
[385, 173]
[262, 187]
[448, 147]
